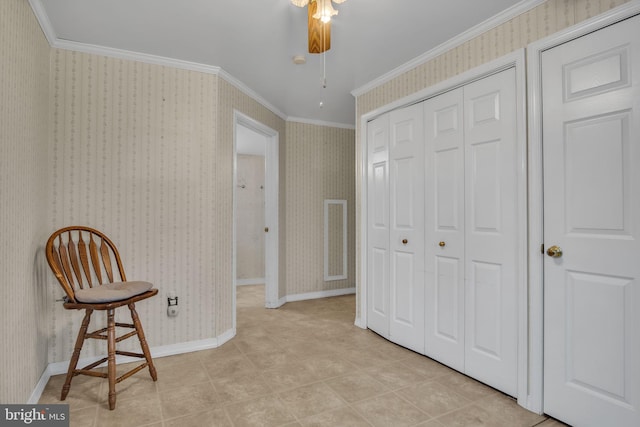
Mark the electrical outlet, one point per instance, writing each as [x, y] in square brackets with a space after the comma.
[172, 304]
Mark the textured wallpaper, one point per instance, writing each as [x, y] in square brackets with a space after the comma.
[541, 21]
[320, 165]
[133, 152]
[145, 153]
[24, 115]
[250, 217]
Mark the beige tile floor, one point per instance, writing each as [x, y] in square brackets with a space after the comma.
[304, 364]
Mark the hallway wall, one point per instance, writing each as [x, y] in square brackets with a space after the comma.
[134, 153]
[320, 165]
[24, 117]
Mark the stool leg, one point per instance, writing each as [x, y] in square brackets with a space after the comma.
[76, 353]
[143, 341]
[111, 357]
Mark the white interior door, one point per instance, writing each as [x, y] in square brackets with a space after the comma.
[444, 228]
[491, 220]
[591, 153]
[378, 225]
[406, 234]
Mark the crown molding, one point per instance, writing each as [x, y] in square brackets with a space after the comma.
[494, 21]
[43, 20]
[320, 123]
[134, 56]
[251, 93]
[54, 41]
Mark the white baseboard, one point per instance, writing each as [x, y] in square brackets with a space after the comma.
[277, 304]
[254, 281]
[320, 294]
[42, 383]
[359, 323]
[58, 368]
[311, 295]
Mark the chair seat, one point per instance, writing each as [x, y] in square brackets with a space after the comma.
[110, 292]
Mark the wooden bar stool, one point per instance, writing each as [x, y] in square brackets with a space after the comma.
[82, 260]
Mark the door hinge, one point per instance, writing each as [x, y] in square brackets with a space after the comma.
[542, 249]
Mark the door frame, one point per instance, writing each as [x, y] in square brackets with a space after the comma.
[515, 60]
[271, 207]
[535, 164]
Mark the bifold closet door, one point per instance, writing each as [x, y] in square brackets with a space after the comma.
[444, 224]
[395, 203]
[491, 213]
[378, 225]
[471, 236]
[406, 234]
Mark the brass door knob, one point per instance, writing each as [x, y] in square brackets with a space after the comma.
[554, 251]
[441, 244]
[405, 241]
[266, 229]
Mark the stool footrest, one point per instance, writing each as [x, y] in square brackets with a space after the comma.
[131, 372]
[98, 335]
[90, 373]
[125, 336]
[93, 365]
[130, 354]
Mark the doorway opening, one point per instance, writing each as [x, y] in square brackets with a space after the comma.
[255, 206]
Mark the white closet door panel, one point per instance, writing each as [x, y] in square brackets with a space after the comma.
[406, 287]
[591, 146]
[378, 253]
[491, 231]
[444, 222]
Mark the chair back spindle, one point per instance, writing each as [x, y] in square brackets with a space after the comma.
[78, 265]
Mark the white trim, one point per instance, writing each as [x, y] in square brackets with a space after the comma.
[327, 276]
[276, 304]
[359, 323]
[58, 368]
[42, 383]
[535, 258]
[320, 123]
[513, 60]
[135, 56]
[272, 191]
[43, 20]
[320, 294]
[312, 295]
[361, 272]
[477, 30]
[251, 93]
[522, 244]
[254, 281]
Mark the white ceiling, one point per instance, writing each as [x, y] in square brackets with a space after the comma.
[254, 41]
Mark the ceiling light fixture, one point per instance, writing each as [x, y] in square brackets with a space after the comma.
[319, 28]
[319, 22]
[325, 11]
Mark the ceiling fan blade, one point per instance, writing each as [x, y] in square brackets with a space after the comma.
[319, 32]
